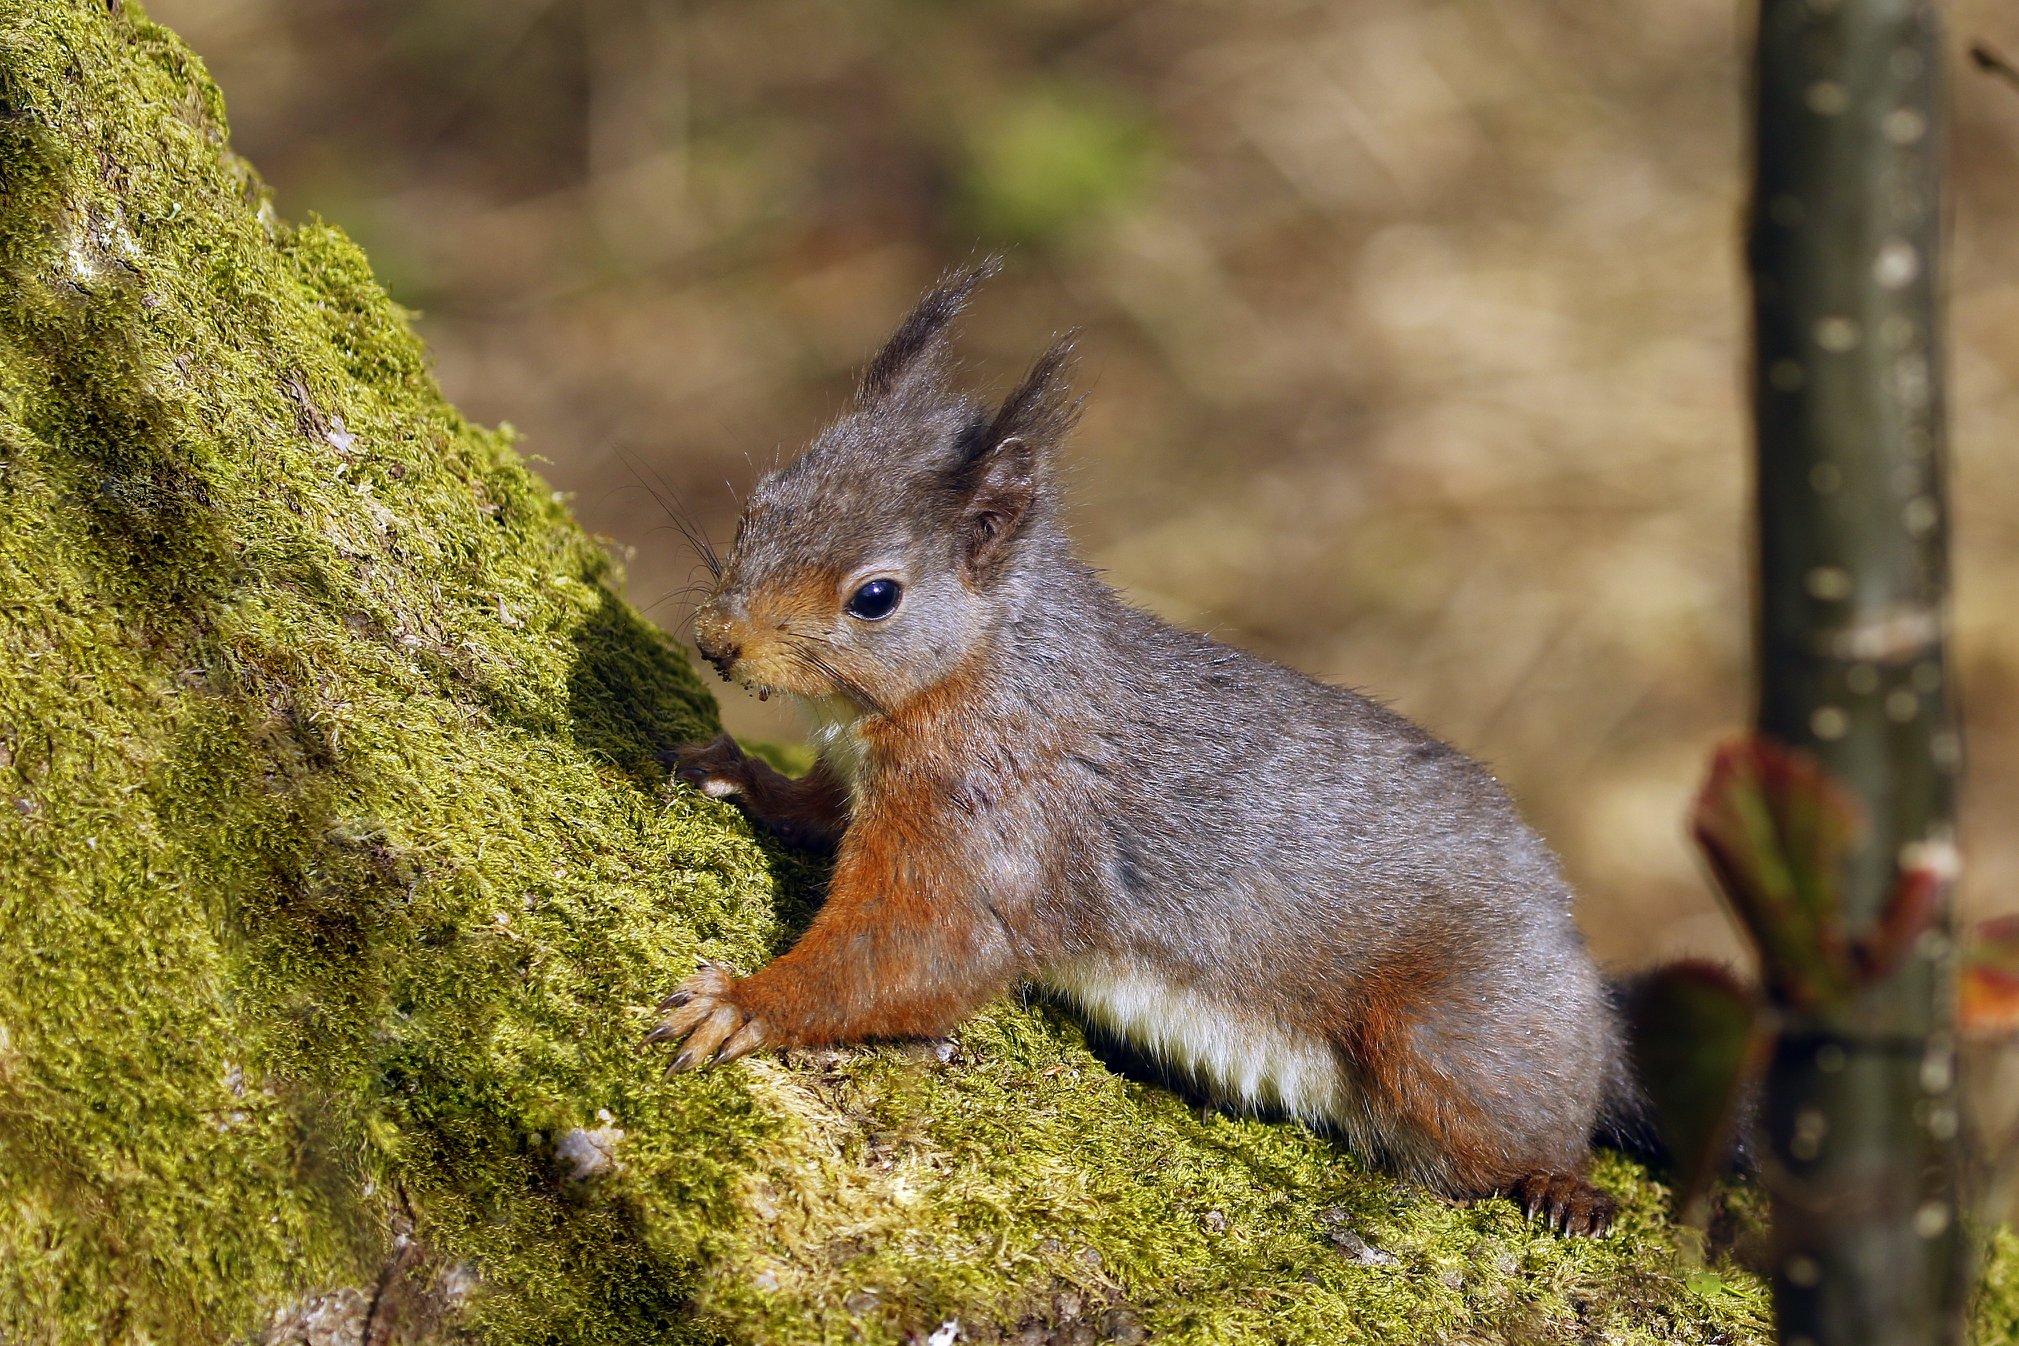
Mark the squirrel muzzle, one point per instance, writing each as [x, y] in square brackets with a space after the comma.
[715, 636]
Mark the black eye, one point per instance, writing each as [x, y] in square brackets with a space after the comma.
[875, 600]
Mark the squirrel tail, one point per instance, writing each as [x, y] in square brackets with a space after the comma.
[1627, 1121]
[1626, 1115]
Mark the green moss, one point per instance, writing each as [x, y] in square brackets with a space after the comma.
[337, 881]
[332, 867]
[1996, 1313]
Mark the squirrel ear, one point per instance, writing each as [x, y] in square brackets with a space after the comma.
[1002, 484]
[1006, 477]
[922, 333]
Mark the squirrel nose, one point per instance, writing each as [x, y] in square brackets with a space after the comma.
[711, 635]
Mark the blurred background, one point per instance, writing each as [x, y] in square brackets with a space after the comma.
[1413, 327]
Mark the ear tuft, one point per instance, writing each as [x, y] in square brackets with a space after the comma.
[1042, 408]
[1008, 469]
[922, 334]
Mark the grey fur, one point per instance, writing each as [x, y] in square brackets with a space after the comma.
[1179, 825]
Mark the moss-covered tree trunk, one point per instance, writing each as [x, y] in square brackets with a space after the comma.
[337, 881]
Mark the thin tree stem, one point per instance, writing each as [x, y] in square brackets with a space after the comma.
[1845, 245]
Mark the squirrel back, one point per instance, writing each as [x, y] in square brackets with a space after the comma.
[1274, 885]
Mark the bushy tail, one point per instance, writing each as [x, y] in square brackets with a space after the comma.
[1626, 1116]
[1628, 1120]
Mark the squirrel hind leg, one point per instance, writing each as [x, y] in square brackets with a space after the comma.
[1461, 1102]
[1432, 1127]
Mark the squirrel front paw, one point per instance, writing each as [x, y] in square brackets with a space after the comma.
[701, 1010]
[717, 768]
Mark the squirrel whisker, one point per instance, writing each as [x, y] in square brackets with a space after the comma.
[676, 510]
[685, 591]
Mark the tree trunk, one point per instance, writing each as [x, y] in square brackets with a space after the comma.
[1846, 232]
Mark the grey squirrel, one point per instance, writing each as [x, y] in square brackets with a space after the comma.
[1273, 885]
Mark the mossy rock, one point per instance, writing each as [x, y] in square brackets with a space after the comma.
[338, 879]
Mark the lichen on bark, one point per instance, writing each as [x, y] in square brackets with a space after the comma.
[338, 878]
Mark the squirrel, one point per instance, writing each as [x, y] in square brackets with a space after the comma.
[1275, 886]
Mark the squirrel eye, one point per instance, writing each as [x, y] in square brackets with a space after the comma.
[875, 600]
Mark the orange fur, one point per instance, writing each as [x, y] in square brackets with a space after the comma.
[1469, 1146]
[1378, 1037]
[906, 944]
[903, 946]
[806, 600]
[768, 634]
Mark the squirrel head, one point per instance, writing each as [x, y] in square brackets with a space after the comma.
[882, 560]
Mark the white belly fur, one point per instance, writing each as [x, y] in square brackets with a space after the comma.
[1246, 1063]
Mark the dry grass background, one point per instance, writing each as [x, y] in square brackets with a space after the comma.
[1414, 327]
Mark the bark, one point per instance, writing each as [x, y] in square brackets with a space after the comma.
[1860, 1110]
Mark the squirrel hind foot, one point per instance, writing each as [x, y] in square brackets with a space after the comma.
[1566, 1202]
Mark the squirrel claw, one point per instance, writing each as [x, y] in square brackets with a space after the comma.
[1566, 1203]
[712, 1028]
[743, 1041]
